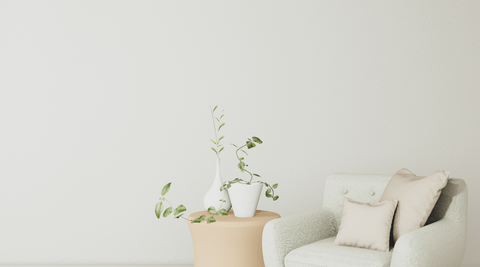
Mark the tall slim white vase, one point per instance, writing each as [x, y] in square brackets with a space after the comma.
[213, 195]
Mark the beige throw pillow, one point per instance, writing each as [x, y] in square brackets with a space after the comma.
[416, 197]
[366, 225]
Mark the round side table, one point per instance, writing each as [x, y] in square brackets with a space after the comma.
[230, 241]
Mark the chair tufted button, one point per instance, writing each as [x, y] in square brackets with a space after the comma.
[373, 193]
[345, 191]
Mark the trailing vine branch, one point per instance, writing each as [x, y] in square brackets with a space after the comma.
[250, 143]
[180, 210]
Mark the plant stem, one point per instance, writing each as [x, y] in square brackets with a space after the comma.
[273, 190]
[223, 198]
[251, 176]
[236, 152]
[215, 129]
[172, 208]
[169, 203]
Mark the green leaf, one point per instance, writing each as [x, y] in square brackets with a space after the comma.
[220, 149]
[211, 210]
[217, 119]
[179, 210]
[215, 108]
[223, 212]
[256, 175]
[268, 193]
[250, 144]
[234, 145]
[213, 141]
[199, 219]
[257, 140]
[222, 116]
[165, 189]
[211, 220]
[221, 125]
[221, 137]
[178, 216]
[241, 166]
[159, 209]
[275, 186]
[214, 150]
[182, 208]
[275, 198]
[167, 212]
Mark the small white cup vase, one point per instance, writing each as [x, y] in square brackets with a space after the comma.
[245, 198]
[213, 195]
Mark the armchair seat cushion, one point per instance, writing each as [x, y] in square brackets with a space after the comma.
[324, 253]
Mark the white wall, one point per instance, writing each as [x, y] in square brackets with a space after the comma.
[104, 102]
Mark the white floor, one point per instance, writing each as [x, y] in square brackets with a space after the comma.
[137, 265]
[463, 265]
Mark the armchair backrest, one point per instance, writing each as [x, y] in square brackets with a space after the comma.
[368, 188]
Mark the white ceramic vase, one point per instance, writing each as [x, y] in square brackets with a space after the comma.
[245, 198]
[214, 194]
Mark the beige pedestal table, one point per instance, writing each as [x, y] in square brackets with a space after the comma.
[230, 241]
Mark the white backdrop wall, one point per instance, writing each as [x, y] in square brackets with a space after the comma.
[104, 102]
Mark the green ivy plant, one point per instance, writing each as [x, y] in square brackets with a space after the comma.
[217, 125]
[179, 211]
[250, 143]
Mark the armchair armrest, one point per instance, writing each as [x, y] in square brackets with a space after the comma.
[440, 244]
[280, 236]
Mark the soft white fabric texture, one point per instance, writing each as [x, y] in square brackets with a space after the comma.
[366, 225]
[329, 254]
[417, 196]
[441, 243]
[365, 188]
[289, 233]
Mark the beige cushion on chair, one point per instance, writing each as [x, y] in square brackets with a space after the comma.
[324, 253]
[366, 225]
[416, 197]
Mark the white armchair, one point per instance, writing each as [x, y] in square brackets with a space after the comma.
[307, 240]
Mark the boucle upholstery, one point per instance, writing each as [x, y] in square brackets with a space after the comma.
[441, 243]
[328, 254]
[289, 233]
